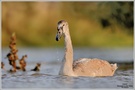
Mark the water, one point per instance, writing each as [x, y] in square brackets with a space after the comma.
[50, 60]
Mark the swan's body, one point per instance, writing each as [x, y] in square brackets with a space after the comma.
[84, 66]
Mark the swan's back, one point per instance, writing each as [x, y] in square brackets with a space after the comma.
[93, 67]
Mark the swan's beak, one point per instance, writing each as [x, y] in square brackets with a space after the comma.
[59, 34]
[57, 37]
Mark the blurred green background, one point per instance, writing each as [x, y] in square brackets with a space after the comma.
[93, 24]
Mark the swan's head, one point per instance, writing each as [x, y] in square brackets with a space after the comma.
[61, 29]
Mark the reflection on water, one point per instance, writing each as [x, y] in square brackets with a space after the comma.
[50, 60]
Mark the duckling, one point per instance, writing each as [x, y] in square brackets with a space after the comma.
[23, 62]
[37, 67]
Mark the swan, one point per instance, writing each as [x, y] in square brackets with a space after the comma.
[84, 66]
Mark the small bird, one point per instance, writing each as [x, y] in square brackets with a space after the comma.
[37, 67]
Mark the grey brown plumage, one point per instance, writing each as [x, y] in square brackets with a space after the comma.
[82, 67]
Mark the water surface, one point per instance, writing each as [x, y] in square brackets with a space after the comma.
[50, 60]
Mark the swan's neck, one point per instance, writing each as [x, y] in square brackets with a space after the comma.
[67, 62]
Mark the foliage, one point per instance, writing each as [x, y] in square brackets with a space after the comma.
[97, 24]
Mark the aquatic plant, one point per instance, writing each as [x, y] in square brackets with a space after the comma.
[23, 63]
[12, 55]
[2, 65]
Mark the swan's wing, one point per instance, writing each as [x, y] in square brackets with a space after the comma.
[93, 67]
